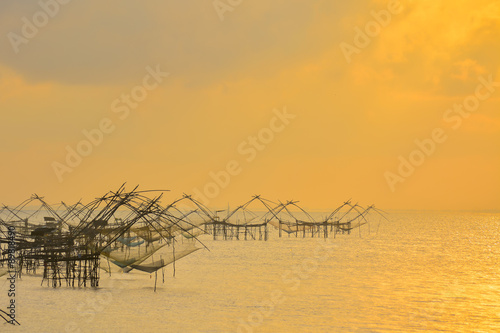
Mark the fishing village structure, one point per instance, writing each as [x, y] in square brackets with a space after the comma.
[289, 218]
[71, 244]
[68, 243]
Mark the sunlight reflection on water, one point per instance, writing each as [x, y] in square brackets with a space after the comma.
[422, 271]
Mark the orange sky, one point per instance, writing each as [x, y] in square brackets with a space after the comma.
[356, 104]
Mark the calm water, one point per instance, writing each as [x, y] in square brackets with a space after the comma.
[428, 271]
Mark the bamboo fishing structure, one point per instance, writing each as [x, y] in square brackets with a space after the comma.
[123, 230]
[68, 245]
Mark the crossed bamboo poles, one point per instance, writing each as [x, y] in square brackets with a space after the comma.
[89, 226]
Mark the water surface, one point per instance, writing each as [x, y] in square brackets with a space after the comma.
[420, 271]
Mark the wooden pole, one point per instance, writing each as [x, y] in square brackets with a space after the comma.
[173, 246]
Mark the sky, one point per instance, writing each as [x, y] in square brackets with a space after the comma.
[391, 103]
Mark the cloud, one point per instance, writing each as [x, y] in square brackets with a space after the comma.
[468, 69]
[99, 42]
[425, 43]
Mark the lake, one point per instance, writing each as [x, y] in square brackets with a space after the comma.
[419, 271]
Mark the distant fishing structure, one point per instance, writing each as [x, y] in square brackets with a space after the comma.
[289, 218]
[124, 231]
